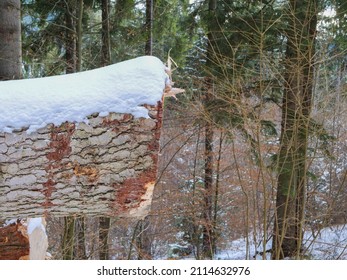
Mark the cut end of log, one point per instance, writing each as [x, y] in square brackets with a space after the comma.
[143, 208]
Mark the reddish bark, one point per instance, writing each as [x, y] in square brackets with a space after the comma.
[59, 148]
[129, 193]
[14, 242]
[60, 142]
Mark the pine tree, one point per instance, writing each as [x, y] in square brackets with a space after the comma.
[10, 40]
[296, 110]
[105, 33]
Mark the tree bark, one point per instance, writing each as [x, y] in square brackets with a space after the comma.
[80, 245]
[70, 38]
[107, 167]
[296, 109]
[149, 27]
[216, 193]
[68, 243]
[143, 245]
[208, 235]
[105, 33]
[10, 40]
[79, 32]
[104, 228]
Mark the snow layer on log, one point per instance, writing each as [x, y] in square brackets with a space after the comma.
[121, 88]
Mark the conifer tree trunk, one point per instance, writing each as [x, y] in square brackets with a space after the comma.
[296, 109]
[70, 38]
[68, 241]
[208, 235]
[79, 35]
[104, 229]
[143, 243]
[10, 40]
[80, 224]
[216, 193]
[208, 238]
[105, 32]
[149, 27]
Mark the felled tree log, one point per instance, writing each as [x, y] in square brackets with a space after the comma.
[59, 158]
[104, 167]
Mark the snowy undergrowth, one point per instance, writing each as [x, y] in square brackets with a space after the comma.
[327, 244]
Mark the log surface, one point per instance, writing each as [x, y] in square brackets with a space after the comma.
[107, 166]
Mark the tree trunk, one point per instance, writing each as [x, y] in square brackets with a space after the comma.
[105, 34]
[149, 27]
[10, 40]
[216, 193]
[296, 108]
[208, 236]
[68, 238]
[70, 38]
[104, 228]
[80, 244]
[79, 35]
[143, 243]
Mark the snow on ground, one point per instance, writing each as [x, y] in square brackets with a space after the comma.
[120, 88]
[328, 244]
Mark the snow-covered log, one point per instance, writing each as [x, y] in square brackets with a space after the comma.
[81, 143]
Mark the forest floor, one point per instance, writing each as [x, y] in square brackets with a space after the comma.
[329, 243]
